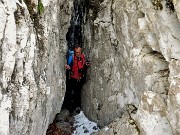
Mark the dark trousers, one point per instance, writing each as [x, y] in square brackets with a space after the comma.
[72, 98]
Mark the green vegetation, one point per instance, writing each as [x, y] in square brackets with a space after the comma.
[40, 7]
[36, 16]
[31, 6]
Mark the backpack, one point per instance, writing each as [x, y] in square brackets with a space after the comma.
[69, 57]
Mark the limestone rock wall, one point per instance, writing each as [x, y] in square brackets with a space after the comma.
[133, 81]
[135, 62]
[32, 53]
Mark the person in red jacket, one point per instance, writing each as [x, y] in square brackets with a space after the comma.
[79, 64]
[75, 80]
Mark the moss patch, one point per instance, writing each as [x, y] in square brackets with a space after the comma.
[36, 22]
[40, 7]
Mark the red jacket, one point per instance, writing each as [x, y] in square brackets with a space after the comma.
[78, 67]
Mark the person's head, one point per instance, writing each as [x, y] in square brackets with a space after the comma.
[77, 51]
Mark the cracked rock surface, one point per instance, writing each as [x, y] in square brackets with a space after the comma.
[134, 78]
[32, 76]
[135, 58]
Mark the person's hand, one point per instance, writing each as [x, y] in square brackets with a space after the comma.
[88, 63]
[67, 67]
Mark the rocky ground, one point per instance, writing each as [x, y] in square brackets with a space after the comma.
[71, 124]
[62, 125]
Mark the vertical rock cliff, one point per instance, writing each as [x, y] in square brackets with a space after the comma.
[133, 82]
[135, 58]
[32, 57]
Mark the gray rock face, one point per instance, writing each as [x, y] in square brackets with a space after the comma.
[133, 81]
[32, 78]
[134, 52]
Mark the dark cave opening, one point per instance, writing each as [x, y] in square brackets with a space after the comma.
[63, 121]
[74, 37]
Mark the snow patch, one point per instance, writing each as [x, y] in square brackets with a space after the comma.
[83, 125]
[106, 128]
[4, 115]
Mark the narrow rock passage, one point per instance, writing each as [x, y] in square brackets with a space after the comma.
[72, 98]
[70, 120]
[74, 34]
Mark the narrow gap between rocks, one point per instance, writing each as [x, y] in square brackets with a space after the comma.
[74, 39]
[71, 118]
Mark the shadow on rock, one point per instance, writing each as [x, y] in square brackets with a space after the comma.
[62, 125]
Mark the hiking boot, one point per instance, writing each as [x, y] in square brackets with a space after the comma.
[78, 110]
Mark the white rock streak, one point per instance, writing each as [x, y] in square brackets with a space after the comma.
[8, 43]
[150, 115]
[5, 108]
